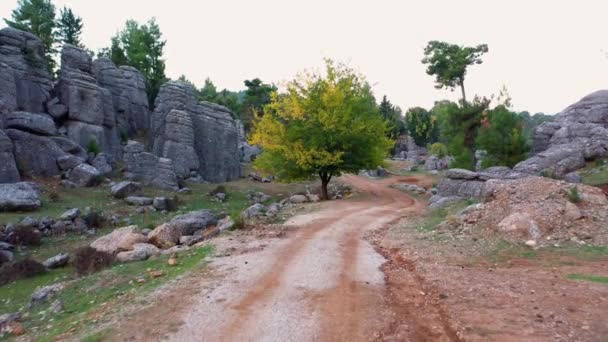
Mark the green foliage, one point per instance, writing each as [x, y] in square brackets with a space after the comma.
[37, 17]
[140, 46]
[589, 277]
[69, 27]
[421, 126]
[324, 125]
[449, 62]
[501, 136]
[600, 162]
[393, 117]
[439, 150]
[93, 146]
[573, 195]
[530, 122]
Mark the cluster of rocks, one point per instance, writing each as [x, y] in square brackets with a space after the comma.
[259, 210]
[538, 211]
[435, 163]
[377, 173]
[406, 149]
[78, 126]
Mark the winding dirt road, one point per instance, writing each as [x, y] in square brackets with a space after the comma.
[324, 282]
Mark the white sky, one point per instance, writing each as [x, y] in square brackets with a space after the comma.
[548, 53]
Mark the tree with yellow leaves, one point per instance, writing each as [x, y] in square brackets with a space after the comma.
[323, 126]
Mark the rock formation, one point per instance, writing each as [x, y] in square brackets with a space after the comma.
[215, 133]
[577, 134]
[148, 168]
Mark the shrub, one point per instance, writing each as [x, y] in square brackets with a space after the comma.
[93, 146]
[439, 150]
[548, 173]
[94, 218]
[239, 223]
[573, 195]
[25, 236]
[124, 137]
[600, 162]
[25, 268]
[217, 190]
[54, 196]
[88, 260]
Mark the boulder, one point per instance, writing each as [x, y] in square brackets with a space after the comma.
[35, 155]
[460, 174]
[253, 211]
[438, 202]
[84, 175]
[40, 124]
[178, 137]
[435, 163]
[138, 201]
[521, 224]
[296, 199]
[168, 234]
[57, 261]
[22, 196]
[6, 256]
[125, 189]
[148, 168]
[102, 163]
[42, 294]
[140, 252]
[225, 224]
[163, 203]
[121, 239]
[573, 177]
[8, 166]
[68, 162]
[70, 214]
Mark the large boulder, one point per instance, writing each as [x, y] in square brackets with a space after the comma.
[178, 137]
[121, 239]
[22, 196]
[168, 234]
[125, 189]
[216, 136]
[140, 252]
[35, 155]
[84, 175]
[8, 166]
[23, 54]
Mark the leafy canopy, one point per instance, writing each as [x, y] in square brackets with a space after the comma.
[394, 118]
[501, 136]
[69, 27]
[421, 126]
[449, 62]
[323, 126]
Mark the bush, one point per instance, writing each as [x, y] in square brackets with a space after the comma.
[217, 190]
[93, 146]
[25, 268]
[573, 195]
[600, 162]
[25, 236]
[54, 196]
[239, 223]
[94, 218]
[88, 260]
[439, 150]
[548, 173]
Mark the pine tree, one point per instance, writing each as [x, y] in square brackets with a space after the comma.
[69, 27]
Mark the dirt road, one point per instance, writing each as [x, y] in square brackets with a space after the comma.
[323, 282]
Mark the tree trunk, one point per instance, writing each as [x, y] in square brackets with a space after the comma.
[325, 178]
[464, 96]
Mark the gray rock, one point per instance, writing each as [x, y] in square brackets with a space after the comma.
[138, 201]
[40, 124]
[35, 155]
[6, 256]
[57, 261]
[5, 246]
[248, 152]
[125, 189]
[68, 184]
[573, 177]
[101, 163]
[435, 163]
[57, 306]
[411, 188]
[56, 109]
[69, 162]
[70, 215]
[140, 252]
[8, 318]
[191, 222]
[184, 191]
[44, 293]
[298, 199]
[178, 142]
[253, 211]
[8, 166]
[23, 53]
[149, 168]
[215, 132]
[22, 196]
[225, 224]
[460, 174]
[84, 175]
[438, 202]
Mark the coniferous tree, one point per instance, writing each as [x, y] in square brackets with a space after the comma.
[69, 27]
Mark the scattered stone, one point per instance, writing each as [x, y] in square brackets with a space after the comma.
[43, 293]
[140, 252]
[70, 214]
[572, 212]
[220, 196]
[168, 234]
[156, 274]
[139, 201]
[184, 191]
[225, 224]
[6, 256]
[296, 199]
[172, 261]
[57, 261]
[163, 203]
[313, 198]
[57, 306]
[8, 321]
[125, 189]
[253, 211]
[531, 243]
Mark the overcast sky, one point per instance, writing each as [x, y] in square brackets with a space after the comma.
[548, 53]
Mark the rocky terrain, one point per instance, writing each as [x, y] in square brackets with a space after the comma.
[94, 120]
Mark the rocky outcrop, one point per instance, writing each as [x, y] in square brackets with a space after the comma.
[178, 137]
[148, 168]
[35, 155]
[128, 89]
[8, 166]
[41, 124]
[22, 62]
[215, 132]
[577, 134]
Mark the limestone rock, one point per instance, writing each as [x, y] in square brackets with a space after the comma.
[253, 211]
[68, 162]
[178, 137]
[35, 155]
[138, 201]
[57, 261]
[149, 168]
[70, 214]
[125, 189]
[8, 166]
[40, 124]
[168, 234]
[84, 175]
[121, 239]
[140, 252]
[22, 196]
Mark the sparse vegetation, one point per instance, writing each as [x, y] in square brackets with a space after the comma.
[589, 277]
[573, 195]
[93, 146]
[88, 260]
[25, 236]
[20, 269]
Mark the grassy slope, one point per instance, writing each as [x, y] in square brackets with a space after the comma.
[595, 173]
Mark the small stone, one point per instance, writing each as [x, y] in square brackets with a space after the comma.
[172, 261]
[531, 243]
[156, 274]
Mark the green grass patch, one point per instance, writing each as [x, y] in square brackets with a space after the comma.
[588, 277]
[595, 173]
[502, 251]
[87, 299]
[434, 217]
